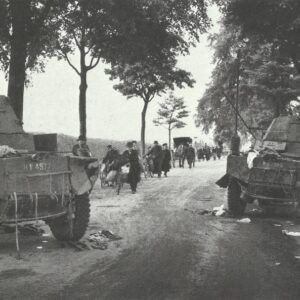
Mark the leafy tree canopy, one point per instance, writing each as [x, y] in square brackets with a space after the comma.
[170, 113]
[39, 32]
[269, 84]
[269, 21]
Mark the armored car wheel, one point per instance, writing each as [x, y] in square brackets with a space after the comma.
[235, 204]
[72, 226]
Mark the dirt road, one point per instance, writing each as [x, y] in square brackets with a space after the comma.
[169, 249]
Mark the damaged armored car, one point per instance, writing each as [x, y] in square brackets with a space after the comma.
[39, 183]
[272, 175]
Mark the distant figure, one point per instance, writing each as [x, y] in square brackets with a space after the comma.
[190, 155]
[181, 152]
[207, 152]
[134, 175]
[166, 163]
[157, 156]
[81, 148]
[200, 154]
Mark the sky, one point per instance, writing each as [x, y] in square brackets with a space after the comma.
[51, 100]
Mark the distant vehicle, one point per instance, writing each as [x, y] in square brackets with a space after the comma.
[271, 176]
[38, 183]
[180, 143]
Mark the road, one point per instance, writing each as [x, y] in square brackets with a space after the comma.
[169, 249]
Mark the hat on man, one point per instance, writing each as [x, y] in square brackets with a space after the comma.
[129, 144]
[109, 146]
[165, 144]
[155, 142]
[81, 138]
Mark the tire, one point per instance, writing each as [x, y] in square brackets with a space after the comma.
[236, 205]
[73, 225]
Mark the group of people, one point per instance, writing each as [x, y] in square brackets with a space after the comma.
[207, 152]
[185, 152]
[160, 157]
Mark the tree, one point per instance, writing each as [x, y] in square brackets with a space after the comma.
[146, 80]
[78, 23]
[269, 21]
[170, 113]
[150, 69]
[268, 84]
[26, 39]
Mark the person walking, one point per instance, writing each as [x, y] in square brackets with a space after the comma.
[134, 176]
[166, 162]
[157, 155]
[190, 155]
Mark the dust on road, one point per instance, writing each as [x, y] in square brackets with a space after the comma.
[168, 250]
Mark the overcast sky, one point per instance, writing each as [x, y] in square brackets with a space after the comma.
[51, 102]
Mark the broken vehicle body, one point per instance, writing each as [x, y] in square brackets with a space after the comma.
[39, 183]
[272, 176]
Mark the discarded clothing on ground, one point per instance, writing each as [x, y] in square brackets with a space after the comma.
[291, 233]
[218, 211]
[244, 221]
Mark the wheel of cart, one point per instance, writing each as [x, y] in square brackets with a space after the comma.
[148, 167]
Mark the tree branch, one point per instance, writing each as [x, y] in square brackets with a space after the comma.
[92, 65]
[239, 115]
[65, 55]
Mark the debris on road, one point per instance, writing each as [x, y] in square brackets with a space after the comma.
[297, 257]
[218, 211]
[111, 236]
[291, 233]
[244, 221]
[26, 229]
[199, 212]
[277, 225]
[277, 264]
[98, 240]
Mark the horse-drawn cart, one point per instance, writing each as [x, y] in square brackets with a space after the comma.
[180, 146]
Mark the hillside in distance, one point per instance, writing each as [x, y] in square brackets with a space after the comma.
[97, 146]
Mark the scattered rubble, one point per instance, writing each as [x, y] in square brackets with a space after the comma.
[97, 240]
[244, 221]
[218, 211]
[291, 233]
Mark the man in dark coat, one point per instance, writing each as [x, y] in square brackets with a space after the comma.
[134, 176]
[81, 148]
[166, 163]
[157, 155]
[190, 155]
[110, 155]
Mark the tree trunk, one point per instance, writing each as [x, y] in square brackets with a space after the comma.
[170, 132]
[82, 94]
[17, 64]
[143, 129]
